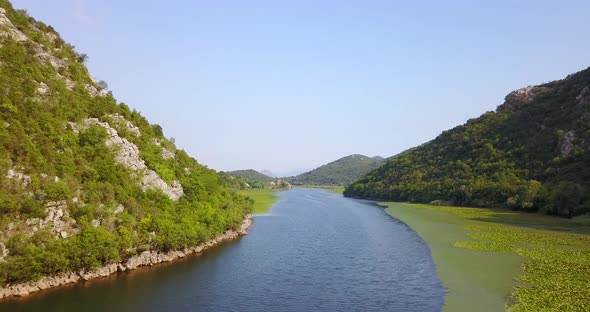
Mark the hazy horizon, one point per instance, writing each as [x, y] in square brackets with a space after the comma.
[285, 86]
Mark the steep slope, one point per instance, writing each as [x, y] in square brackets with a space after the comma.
[340, 172]
[532, 153]
[86, 182]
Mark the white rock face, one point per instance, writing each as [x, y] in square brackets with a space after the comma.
[119, 209]
[131, 128]
[3, 252]
[70, 84]
[93, 91]
[19, 176]
[43, 89]
[166, 154]
[526, 94]
[11, 31]
[129, 157]
[567, 143]
[58, 220]
[55, 62]
[583, 98]
[95, 223]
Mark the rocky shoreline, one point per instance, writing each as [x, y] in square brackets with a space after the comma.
[146, 258]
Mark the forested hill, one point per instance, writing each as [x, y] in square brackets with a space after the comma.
[250, 174]
[245, 179]
[84, 180]
[532, 153]
[340, 172]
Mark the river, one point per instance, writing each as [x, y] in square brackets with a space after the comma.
[315, 251]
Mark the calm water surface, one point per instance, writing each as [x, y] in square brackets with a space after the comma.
[315, 251]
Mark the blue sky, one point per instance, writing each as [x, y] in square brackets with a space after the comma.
[283, 85]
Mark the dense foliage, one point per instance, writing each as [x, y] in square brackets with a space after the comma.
[340, 172]
[245, 179]
[532, 153]
[37, 139]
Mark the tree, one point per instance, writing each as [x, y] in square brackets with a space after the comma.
[566, 198]
[82, 57]
[102, 85]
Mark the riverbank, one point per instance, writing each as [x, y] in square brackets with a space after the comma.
[147, 258]
[263, 198]
[491, 259]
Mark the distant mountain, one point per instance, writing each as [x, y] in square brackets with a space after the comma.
[532, 153]
[292, 172]
[268, 173]
[340, 172]
[250, 175]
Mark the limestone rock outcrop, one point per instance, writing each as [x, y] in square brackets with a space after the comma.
[566, 143]
[9, 29]
[128, 155]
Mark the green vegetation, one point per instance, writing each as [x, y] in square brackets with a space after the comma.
[38, 139]
[330, 188]
[478, 253]
[341, 172]
[250, 174]
[245, 179]
[263, 199]
[531, 154]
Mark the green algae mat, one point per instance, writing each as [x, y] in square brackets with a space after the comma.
[495, 260]
[263, 198]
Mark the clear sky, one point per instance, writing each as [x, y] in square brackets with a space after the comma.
[283, 85]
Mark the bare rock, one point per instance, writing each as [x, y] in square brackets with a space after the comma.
[19, 176]
[166, 154]
[119, 209]
[57, 220]
[10, 29]
[566, 143]
[42, 89]
[583, 98]
[280, 184]
[128, 155]
[131, 128]
[518, 98]
[3, 252]
[55, 62]
[70, 84]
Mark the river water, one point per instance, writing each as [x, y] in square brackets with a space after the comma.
[315, 251]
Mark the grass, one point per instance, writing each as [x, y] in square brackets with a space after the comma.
[263, 198]
[330, 188]
[491, 259]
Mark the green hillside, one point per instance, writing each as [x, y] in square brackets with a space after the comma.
[84, 180]
[532, 153]
[245, 179]
[340, 172]
[251, 175]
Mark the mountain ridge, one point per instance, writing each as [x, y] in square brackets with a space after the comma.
[340, 172]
